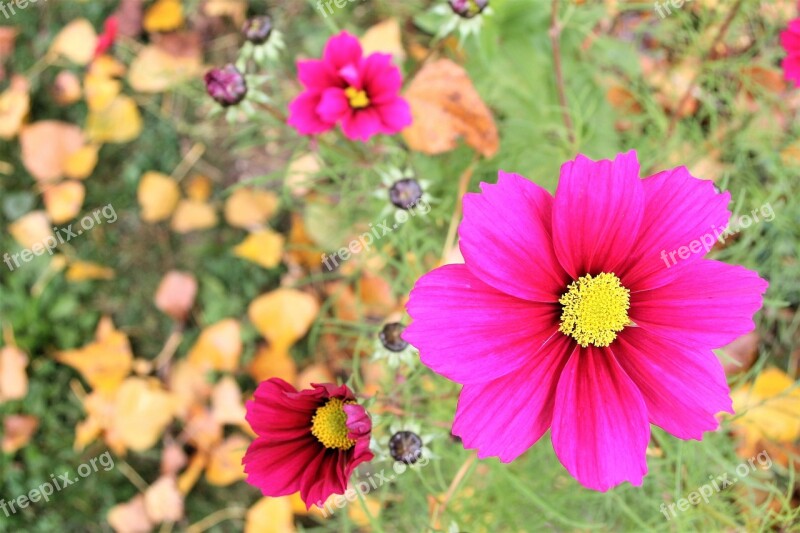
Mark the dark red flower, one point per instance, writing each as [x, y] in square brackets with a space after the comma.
[308, 441]
[226, 85]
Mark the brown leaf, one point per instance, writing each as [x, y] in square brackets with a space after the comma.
[130, 517]
[163, 501]
[446, 106]
[46, 145]
[739, 355]
[17, 431]
[176, 293]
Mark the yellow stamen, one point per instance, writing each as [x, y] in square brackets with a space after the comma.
[329, 425]
[595, 309]
[358, 98]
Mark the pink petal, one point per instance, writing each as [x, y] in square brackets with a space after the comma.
[471, 333]
[791, 68]
[600, 430]
[709, 305]
[506, 416]
[324, 475]
[342, 50]
[506, 241]
[334, 106]
[314, 74]
[395, 115]
[790, 38]
[277, 412]
[596, 214]
[362, 124]
[303, 115]
[683, 388]
[277, 468]
[679, 210]
[381, 78]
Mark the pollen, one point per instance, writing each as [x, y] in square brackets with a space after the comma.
[358, 98]
[595, 309]
[329, 425]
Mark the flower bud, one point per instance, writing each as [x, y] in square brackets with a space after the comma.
[468, 8]
[390, 337]
[405, 446]
[405, 193]
[226, 85]
[258, 29]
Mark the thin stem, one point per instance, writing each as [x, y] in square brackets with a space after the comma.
[555, 39]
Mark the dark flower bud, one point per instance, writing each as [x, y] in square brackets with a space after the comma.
[258, 29]
[468, 8]
[390, 337]
[405, 193]
[405, 446]
[226, 85]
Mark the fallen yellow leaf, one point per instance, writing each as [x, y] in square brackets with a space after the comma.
[47, 145]
[163, 16]
[64, 200]
[143, 411]
[30, 229]
[384, 37]
[191, 215]
[14, 106]
[263, 247]
[270, 515]
[119, 122]
[158, 196]
[283, 316]
[272, 363]
[250, 208]
[225, 463]
[76, 42]
[104, 363]
[218, 347]
[79, 165]
[13, 379]
[155, 70]
[86, 271]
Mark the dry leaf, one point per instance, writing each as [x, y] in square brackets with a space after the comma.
[14, 107]
[173, 459]
[250, 208]
[130, 517]
[104, 363]
[199, 188]
[263, 247]
[315, 373]
[301, 172]
[30, 229]
[76, 42]
[143, 411]
[66, 88]
[188, 385]
[158, 196]
[13, 379]
[47, 145]
[384, 37]
[283, 316]
[163, 16]
[120, 122]
[225, 463]
[740, 355]
[271, 363]
[270, 515]
[80, 165]
[64, 200]
[17, 431]
[86, 271]
[235, 9]
[176, 293]
[446, 106]
[191, 215]
[163, 501]
[226, 402]
[155, 70]
[218, 347]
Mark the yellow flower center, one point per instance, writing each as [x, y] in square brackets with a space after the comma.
[595, 309]
[329, 425]
[358, 98]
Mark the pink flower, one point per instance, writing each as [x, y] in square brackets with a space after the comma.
[308, 441]
[360, 93]
[790, 40]
[567, 316]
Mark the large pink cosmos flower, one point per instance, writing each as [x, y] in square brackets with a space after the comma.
[565, 316]
[790, 40]
[308, 441]
[344, 87]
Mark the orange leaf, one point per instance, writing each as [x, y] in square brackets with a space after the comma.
[14, 106]
[163, 16]
[13, 379]
[225, 463]
[17, 431]
[64, 200]
[218, 347]
[250, 208]
[47, 145]
[270, 515]
[191, 215]
[104, 363]
[272, 363]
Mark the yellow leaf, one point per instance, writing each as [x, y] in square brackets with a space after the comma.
[64, 200]
[316, 373]
[163, 16]
[199, 188]
[192, 215]
[30, 229]
[79, 165]
[86, 270]
[769, 408]
[218, 347]
[446, 106]
[13, 379]
[47, 145]
[263, 247]
[283, 316]
[270, 515]
[120, 122]
[189, 478]
[225, 463]
[101, 91]
[155, 70]
[76, 42]
[384, 37]
[143, 411]
[250, 208]
[158, 195]
[104, 363]
[272, 363]
[17, 431]
[14, 106]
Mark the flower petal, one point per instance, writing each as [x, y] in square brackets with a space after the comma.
[395, 115]
[680, 211]
[506, 416]
[709, 305]
[597, 213]
[277, 468]
[333, 106]
[683, 388]
[506, 241]
[361, 125]
[381, 78]
[471, 333]
[600, 429]
[278, 412]
[303, 114]
[314, 74]
[342, 50]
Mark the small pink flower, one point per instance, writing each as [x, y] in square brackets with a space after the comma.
[308, 441]
[567, 316]
[359, 93]
[790, 40]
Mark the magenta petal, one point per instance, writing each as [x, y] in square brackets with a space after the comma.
[342, 50]
[679, 209]
[381, 78]
[277, 467]
[506, 242]
[709, 305]
[791, 68]
[362, 124]
[303, 114]
[683, 388]
[395, 115]
[596, 213]
[506, 416]
[600, 429]
[314, 74]
[333, 106]
[470, 332]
